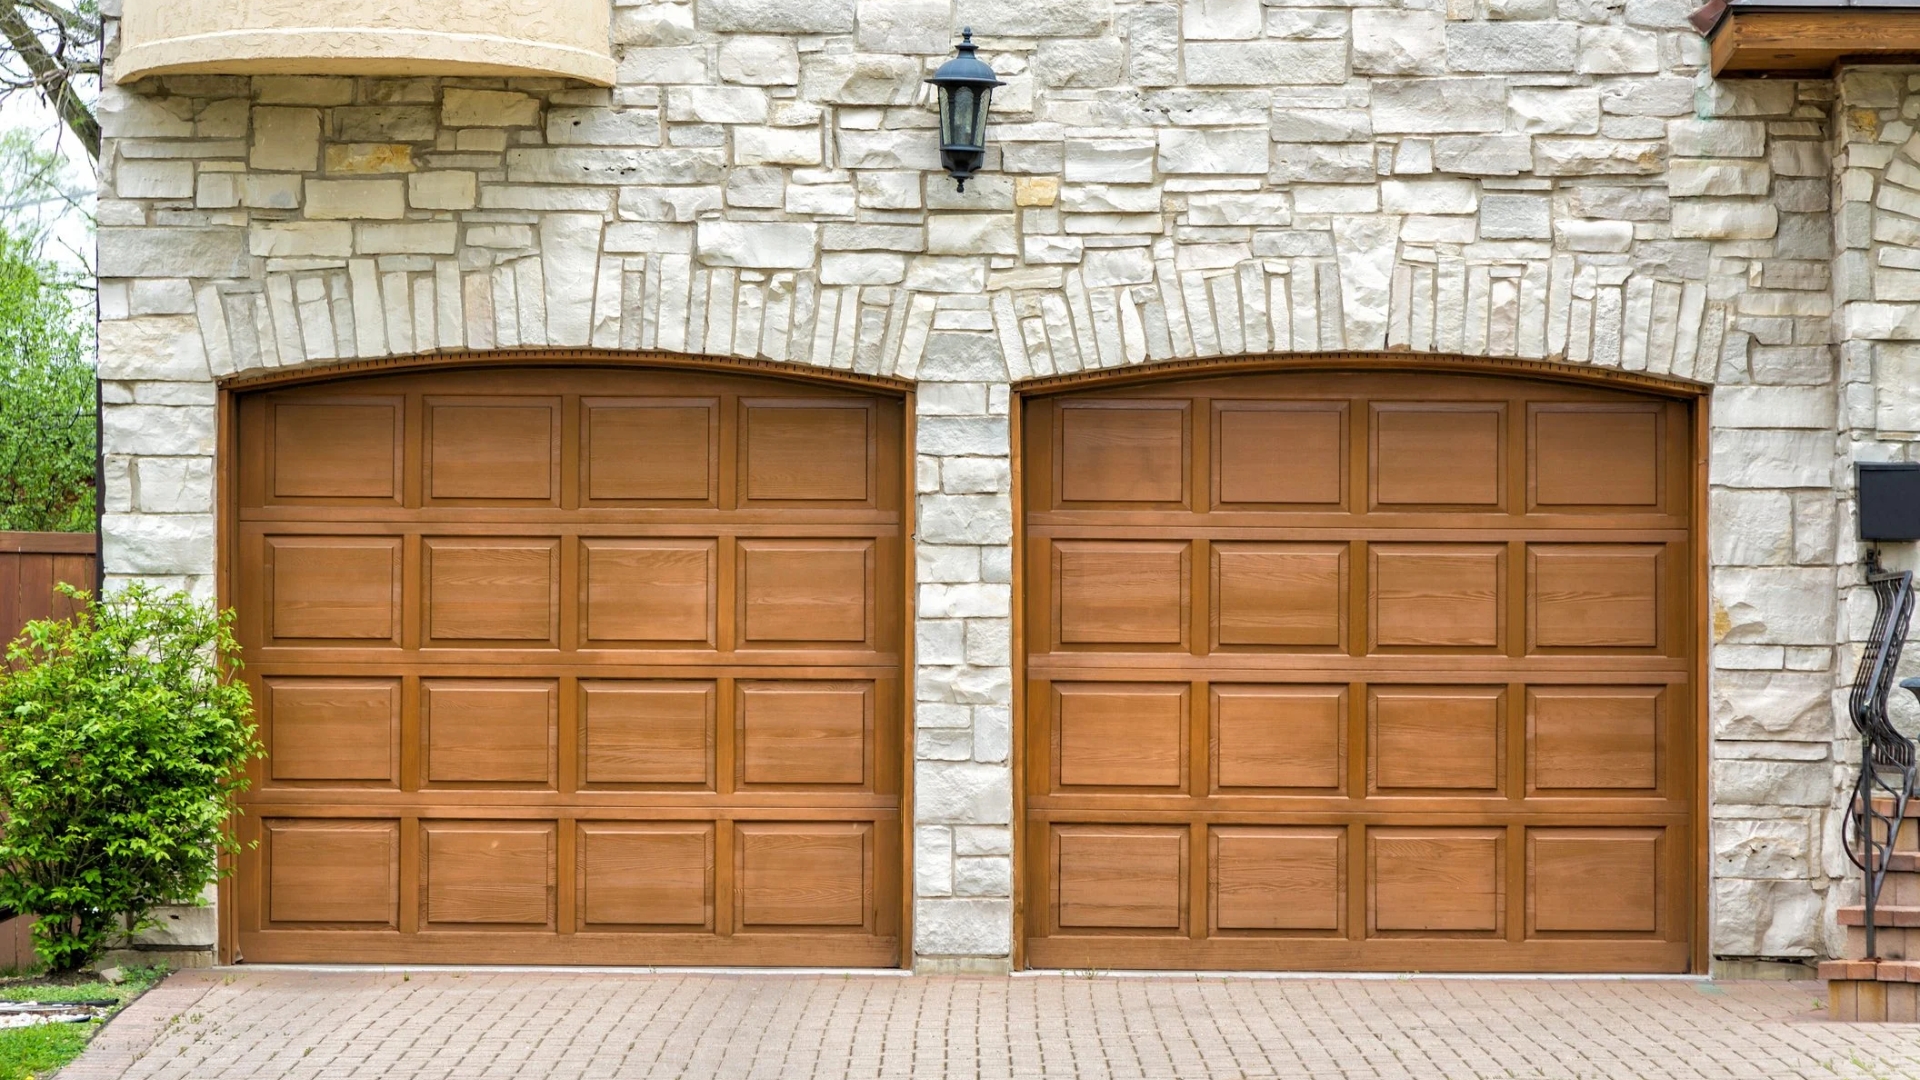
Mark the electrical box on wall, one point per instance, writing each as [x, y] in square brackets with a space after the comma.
[1889, 500]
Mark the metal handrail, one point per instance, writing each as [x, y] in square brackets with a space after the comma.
[1887, 758]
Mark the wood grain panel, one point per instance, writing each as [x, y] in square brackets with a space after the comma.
[340, 730]
[804, 733]
[640, 451]
[650, 592]
[1427, 454]
[804, 874]
[794, 591]
[1594, 737]
[1280, 737]
[1594, 596]
[1278, 878]
[1113, 735]
[342, 450]
[493, 449]
[489, 731]
[1131, 593]
[1112, 877]
[1595, 455]
[1122, 452]
[655, 875]
[332, 872]
[488, 874]
[807, 452]
[647, 733]
[344, 588]
[1437, 737]
[1437, 880]
[482, 590]
[1445, 596]
[1279, 594]
[1309, 472]
[1594, 880]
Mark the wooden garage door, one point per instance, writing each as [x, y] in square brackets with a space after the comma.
[572, 666]
[1342, 671]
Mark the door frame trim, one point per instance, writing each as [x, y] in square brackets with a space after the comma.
[1694, 394]
[230, 389]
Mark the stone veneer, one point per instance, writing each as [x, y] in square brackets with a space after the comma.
[1168, 180]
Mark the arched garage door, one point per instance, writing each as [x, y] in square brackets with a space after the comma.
[1358, 671]
[571, 666]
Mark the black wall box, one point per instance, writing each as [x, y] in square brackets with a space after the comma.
[1889, 500]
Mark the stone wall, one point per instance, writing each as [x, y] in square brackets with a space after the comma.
[1168, 180]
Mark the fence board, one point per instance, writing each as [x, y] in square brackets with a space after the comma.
[30, 565]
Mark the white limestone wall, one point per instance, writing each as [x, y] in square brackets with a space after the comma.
[1168, 180]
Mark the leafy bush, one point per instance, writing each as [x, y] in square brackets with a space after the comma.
[122, 739]
[47, 411]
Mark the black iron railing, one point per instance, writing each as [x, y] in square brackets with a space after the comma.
[1886, 781]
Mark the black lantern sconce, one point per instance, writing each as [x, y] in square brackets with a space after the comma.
[966, 87]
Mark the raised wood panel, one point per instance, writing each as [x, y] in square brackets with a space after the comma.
[647, 734]
[1594, 596]
[804, 733]
[1269, 878]
[1427, 454]
[1118, 877]
[332, 730]
[1308, 472]
[1123, 452]
[637, 451]
[807, 453]
[1437, 880]
[1280, 737]
[1280, 595]
[816, 874]
[485, 590]
[1122, 593]
[646, 875]
[343, 450]
[333, 588]
[661, 593]
[1449, 738]
[1595, 737]
[1120, 735]
[1594, 880]
[493, 449]
[332, 872]
[489, 731]
[1438, 596]
[488, 874]
[1596, 455]
[799, 591]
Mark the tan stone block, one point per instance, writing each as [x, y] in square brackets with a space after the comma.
[333, 200]
[443, 190]
[355, 159]
[1036, 190]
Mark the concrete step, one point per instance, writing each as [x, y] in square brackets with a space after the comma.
[1895, 915]
[1891, 942]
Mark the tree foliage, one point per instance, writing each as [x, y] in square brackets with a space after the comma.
[47, 408]
[123, 734]
[53, 49]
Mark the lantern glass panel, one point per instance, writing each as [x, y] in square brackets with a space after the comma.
[959, 118]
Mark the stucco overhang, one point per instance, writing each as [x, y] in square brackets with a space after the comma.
[566, 38]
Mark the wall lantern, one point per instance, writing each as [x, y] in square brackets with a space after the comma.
[966, 87]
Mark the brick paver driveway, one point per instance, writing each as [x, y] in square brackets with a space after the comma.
[261, 1024]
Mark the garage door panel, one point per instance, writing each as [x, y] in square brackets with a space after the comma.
[493, 450]
[492, 591]
[1310, 476]
[576, 666]
[1279, 739]
[650, 451]
[1439, 456]
[331, 732]
[1123, 453]
[1279, 596]
[1123, 594]
[1595, 596]
[1438, 596]
[1597, 739]
[337, 451]
[1121, 878]
[1437, 881]
[1121, 735]
[1595, 881]
[1596, 457]
[1277, 879]
[332, 590]
[1433, 739]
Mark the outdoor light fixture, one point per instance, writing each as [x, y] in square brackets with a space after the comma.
[966, 87]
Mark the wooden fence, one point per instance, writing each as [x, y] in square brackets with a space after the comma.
[30, 565]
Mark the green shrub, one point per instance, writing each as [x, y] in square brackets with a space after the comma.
[47, 413]
[122, 740]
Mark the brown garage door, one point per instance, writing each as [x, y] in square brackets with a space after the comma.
[572, 666]
[1342, 671]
